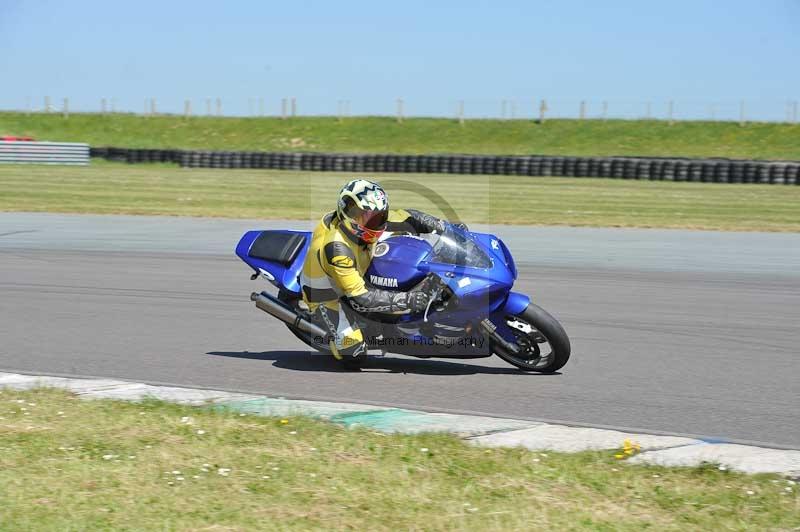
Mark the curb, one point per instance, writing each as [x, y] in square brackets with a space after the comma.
[477, 430]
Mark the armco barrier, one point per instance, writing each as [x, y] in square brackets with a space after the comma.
[642, 168]
[31, 152]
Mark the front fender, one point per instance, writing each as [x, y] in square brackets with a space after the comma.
[515, 304]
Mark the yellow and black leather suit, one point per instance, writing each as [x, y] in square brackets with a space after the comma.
[334, 270]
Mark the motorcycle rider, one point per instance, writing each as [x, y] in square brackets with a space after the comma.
[333, 283]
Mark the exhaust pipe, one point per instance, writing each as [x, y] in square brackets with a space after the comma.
[283, 312]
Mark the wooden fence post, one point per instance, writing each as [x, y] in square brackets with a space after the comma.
[187, 108]
[47, 104]
[219, 106]
[65, 108]
[294, 106]
[542, 110]
[583, 110]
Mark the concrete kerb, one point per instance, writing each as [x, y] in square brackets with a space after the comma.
[478, 430]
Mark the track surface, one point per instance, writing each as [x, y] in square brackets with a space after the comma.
[692, 333]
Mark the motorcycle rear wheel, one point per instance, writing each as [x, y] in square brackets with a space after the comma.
[535, 327]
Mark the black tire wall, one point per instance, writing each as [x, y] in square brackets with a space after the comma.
[642, 168]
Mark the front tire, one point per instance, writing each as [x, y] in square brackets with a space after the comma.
[535, 327]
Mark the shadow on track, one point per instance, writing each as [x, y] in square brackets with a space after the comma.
[307, 361]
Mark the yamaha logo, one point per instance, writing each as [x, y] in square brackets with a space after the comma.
[388, 282]
[380, 250]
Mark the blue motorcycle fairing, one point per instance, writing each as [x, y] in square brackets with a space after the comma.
[396, 263]
[286, 277]
[498, 249]
[475, 289]
[402, 261]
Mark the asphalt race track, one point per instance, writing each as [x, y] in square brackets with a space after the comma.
[680, 332]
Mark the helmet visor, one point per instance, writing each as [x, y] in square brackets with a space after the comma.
[374, 220]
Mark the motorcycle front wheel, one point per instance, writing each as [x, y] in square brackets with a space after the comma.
[544, 345]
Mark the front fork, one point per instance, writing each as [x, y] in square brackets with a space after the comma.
[489, 329]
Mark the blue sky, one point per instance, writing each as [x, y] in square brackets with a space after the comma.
[432, 54]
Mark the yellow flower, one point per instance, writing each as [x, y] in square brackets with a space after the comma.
[629, 447]
[284, 421]
[619, 456]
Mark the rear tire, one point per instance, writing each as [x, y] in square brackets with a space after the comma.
[545, 324]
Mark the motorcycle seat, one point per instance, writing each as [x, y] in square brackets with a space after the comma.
[277, 246]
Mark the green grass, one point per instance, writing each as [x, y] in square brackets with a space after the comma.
[417, 135]
[117, 188]
[71, 464]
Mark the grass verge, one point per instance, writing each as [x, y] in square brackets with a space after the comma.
[70, 464]
[417, 135]
[117, 188]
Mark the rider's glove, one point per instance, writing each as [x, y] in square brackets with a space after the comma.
[417, 301]
[378, 300]
[419, 296]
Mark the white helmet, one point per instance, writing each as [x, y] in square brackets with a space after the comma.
[363, 210]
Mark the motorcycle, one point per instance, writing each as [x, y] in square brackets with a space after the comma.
[473, 312]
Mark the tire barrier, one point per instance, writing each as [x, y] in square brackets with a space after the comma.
[641, 168]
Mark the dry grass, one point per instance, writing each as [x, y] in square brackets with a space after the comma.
[113, 188]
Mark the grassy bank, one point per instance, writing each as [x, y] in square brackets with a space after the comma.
[417, 135]
[115, 188]
[69, 464]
